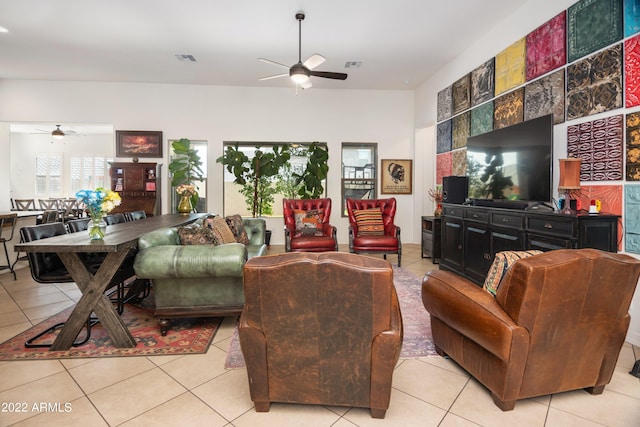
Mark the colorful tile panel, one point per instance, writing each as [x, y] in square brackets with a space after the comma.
[592, 25]
[460, 131]
[459, 162]
[481, 119]
[632, 218]
[445, 104]
[545, 96]
[632, 71]
[443, 166]
[483, 83]
[509, 109]
[546, 47]
[631, 17]
[510, 67]
[611, 198]
[633, 146]
[462, 94]
[594, 84]
[443, 137]
[598, 144]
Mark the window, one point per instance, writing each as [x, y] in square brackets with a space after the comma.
[89, 173]
[49, 176]
[358, 172]
[239, 199]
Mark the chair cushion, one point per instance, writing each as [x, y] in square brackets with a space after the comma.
[501, 264]
[369, 221]
[308, 223]
[236, 224]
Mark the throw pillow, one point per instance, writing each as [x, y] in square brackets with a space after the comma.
[369, 222]
[196, 235]
[308, 223]
[501, 264]
[220, 229]
[236, 225]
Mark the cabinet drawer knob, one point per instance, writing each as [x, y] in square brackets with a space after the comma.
[459, 246]
[549, 226]
[506, 220]
[475, 216]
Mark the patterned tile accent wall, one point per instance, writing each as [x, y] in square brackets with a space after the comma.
[481, 119]
[632, 72]
[632, 218]
[445, 103]
[546, 47]
[631, 17]
[545, 96]
[459, 162]
[598, 144]
[510, 67]
[483, 83]
[461, 93]
[633, 146]
[509, 109]
[594, 84]
[443, 138]
[444, 166]
[592, 25]
[460, 130]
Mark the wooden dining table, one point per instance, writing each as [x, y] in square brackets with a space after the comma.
[117, 243]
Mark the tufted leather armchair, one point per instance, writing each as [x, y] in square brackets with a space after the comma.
[293, 243]
[320, 328]
[557, 323]
[389, 243]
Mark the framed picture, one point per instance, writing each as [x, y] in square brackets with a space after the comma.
[396, 176]
[137, 143]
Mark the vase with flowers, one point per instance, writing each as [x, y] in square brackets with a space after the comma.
[185, 191]
[98, 203]
[435, 194]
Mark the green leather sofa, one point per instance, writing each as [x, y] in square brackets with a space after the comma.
[196, 280]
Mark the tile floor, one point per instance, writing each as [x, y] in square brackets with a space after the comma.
[197, 390]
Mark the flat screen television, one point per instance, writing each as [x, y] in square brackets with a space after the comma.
[512, 164]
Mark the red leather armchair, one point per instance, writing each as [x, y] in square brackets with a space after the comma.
[321, 329]
[324, 241]
[557, 323]
[387, 243]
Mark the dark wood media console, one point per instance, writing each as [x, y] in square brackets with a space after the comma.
[472, 235]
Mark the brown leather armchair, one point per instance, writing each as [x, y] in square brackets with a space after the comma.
[388, 242]
[320, 328]
[322, 241]
[557, 323]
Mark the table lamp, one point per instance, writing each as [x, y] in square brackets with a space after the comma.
[569, 182]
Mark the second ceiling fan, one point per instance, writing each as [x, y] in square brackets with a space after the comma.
[301, 72]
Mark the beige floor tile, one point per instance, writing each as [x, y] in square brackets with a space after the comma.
[12, 318]
[228, 394]
[196, 369]
[8, 305]
[343, 423]
[54, 389]
[72, 363]
[8, 332]
[80, 413]
[43, 312]
[288, 415]
[475, 404]
[19, 372]
[440, 387]
[107, 371]
[161, 360]
[452, 420]
[609, 408]
[226, 329]
[445, 363]
[557, 418]
[130, 398]
[184, 410]
[404, 411]
[38, 299]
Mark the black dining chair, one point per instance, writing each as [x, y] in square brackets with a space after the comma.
[135, 215]
[7, 227]
[117, 218]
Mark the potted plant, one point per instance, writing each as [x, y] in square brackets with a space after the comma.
[186, 169]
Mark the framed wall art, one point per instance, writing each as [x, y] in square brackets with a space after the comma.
[396, 176]
[137, 143]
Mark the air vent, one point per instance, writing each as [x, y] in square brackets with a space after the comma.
[186, 58]
[353, 64]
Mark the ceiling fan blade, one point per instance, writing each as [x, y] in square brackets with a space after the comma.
[314, 60]
[275, 76]
[272, 62]
[329, 75]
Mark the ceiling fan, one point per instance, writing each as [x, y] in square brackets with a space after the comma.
[57, 133]
[301, 72]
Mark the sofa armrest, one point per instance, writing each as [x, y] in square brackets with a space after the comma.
[160, 237]
[256, 229]
[471, 311]
[187, 262]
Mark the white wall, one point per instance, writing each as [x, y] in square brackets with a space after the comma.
[529, 17]
[218, 114]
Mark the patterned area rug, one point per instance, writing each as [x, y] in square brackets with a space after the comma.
[417, 340]
[185, 336]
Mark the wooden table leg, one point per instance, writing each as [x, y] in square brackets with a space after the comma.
[93, 299]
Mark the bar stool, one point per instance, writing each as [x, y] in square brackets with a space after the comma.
[8, 221]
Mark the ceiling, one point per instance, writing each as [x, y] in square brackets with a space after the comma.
[400, 42]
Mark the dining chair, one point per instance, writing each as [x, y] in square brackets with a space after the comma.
[135, 215]
[117, 218]
[25, 204]
[70, 209]
[7, 222]
[48, 216]
[48, 204]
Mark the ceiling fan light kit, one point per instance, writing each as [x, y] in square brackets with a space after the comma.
[57, 133]
[301, 72]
